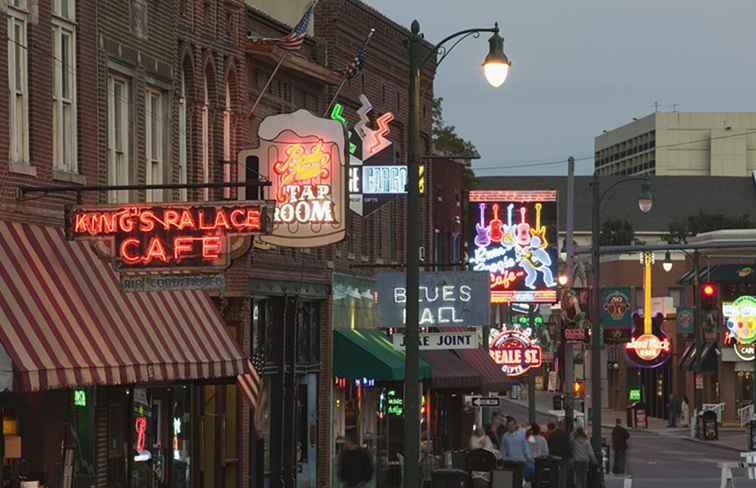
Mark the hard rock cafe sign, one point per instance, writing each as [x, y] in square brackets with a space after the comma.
[515, 352]
[304, 157]
[648, 346]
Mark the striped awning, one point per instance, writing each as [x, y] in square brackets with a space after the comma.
[65, 322]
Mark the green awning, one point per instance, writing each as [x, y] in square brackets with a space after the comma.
[368, 353]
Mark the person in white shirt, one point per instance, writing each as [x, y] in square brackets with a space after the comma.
[538, 445]
[479, 440]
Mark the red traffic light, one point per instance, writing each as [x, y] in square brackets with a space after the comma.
[709, 290]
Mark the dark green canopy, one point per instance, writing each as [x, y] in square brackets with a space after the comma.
[368, 353]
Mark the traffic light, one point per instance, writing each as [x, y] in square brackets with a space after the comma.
[578, 389]
[709, 296]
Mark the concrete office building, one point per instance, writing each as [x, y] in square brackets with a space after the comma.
[680, 144]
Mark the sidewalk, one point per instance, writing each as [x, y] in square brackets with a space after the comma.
[729, 438]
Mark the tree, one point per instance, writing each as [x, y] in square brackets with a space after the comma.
[679, 231]
[446, 141]
[616, 233]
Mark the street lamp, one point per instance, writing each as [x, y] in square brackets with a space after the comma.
[645, 202]
[667, 263]
[496, 68]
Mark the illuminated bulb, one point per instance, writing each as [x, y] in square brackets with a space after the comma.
[562, 279]
[496, 73]
[667, 263]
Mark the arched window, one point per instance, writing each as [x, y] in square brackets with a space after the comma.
[228, 129]
[183, 155]
[206, 133]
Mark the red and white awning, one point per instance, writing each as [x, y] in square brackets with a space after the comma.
[65, 322]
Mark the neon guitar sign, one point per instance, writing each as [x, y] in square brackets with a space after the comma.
[648, 349]
[521, 256]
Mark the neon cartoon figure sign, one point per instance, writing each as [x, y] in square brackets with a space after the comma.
[520, 256]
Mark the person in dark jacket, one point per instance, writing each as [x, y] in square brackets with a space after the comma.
[355, 465]
[620, 435]
[559, 443]
[493, 430]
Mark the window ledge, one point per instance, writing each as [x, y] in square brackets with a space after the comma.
[59, 175]
[22, 168]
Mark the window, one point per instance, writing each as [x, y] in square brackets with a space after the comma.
[206, 139]
[118, 137]
[153, 131]
[183, 143]
[18, 86]
[227, 140]
[64, 86]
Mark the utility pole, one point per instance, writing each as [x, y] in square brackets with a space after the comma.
[532, 373]
[569, 367]
[595, 321]
[698, 319]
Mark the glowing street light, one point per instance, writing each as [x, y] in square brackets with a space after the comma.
[496, 65]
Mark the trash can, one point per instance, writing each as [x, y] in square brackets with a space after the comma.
[558, 402]
[549, 473]
[449, 478]
[709, 426]
[509, 475]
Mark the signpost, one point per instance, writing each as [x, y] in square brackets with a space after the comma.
[486, 402]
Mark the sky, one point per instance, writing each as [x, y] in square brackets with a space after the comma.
[582, 66]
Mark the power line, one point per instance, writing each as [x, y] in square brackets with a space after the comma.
[526, 164]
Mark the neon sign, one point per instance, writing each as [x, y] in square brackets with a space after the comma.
[741, 319]
[80, 398]
[304, 158]
[647, 349]
[140, 428]
[515, 240]
[384, 179]
[516, 352]
[168, 235]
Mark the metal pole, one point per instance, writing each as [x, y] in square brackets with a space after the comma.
[411, 400]
[531, 376]
[595, 324]
[698, 319]
[569, 367]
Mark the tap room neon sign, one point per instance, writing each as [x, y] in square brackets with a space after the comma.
[515, 240]
[168, 236]
[304, 157]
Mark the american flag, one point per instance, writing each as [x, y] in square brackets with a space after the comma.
[294, 40]
[250, 382]
[359, 59]
[356, 65]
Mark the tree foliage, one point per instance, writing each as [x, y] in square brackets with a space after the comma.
[679, 231]
[446, 141]
[616, 233]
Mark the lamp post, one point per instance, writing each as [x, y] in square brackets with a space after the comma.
[645, 202]
[496, 68]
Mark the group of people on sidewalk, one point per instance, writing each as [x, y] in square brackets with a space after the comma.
[507, 440]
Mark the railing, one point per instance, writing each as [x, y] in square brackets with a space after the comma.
[745, 414]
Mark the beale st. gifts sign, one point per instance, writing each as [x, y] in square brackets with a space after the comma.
[169, 236]
[304, 157]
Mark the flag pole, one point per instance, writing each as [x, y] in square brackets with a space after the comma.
[346, 75]
[267, 84]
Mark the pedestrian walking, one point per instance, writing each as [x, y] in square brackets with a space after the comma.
[355, 465]
[479, 440]
[620, 435]
[514, 447]
[583, 457]
[685, 412]
[494, 433]
[559, 442]
[538, 445]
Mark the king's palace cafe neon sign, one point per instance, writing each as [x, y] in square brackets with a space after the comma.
[173, 236]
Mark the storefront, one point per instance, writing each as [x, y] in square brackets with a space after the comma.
[108, 387]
